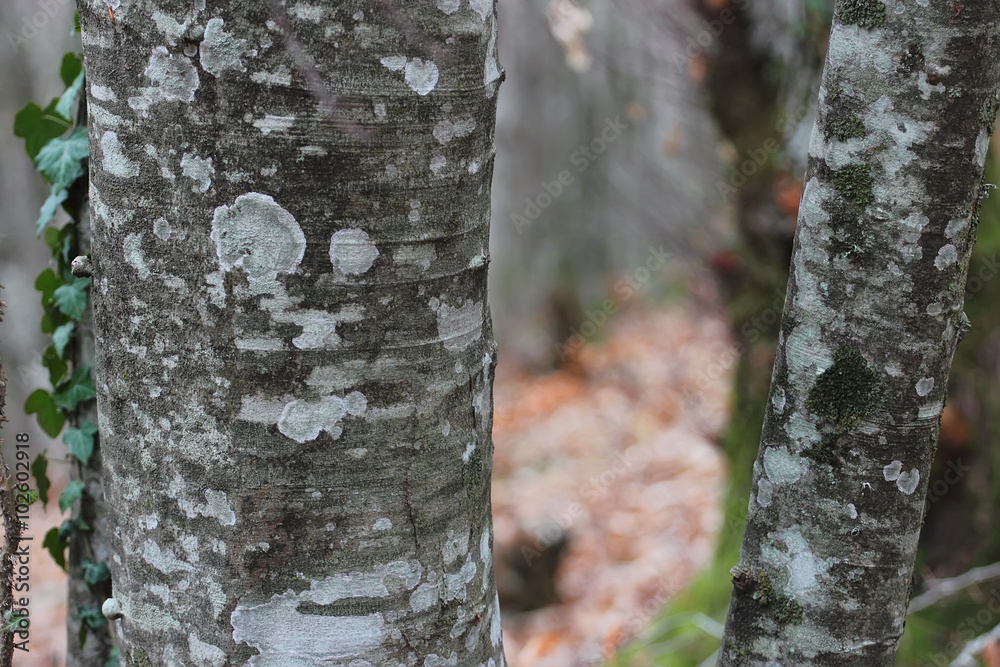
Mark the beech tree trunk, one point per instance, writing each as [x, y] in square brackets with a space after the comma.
[290, 208]
[873, 314]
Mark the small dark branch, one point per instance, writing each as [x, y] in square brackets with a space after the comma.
[306, 66]
[12, 533]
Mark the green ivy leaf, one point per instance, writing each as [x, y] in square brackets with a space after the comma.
[113, 659]
[71, 527]
[71, 494]
[68, 99]
[61, 338]
[91, 619]
[81, 441]
[61, 160]
[50, 418]
[77, 389]
[56, 546]
[94, 573]
[49, 208]
[57, 367]
[39, 468]
[71, 67]
[47, 283]
[72, 298]
[39, 126]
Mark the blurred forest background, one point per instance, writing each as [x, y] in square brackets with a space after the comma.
[648, 173]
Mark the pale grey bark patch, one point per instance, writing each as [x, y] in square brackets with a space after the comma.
[352, 251]
[257, 235]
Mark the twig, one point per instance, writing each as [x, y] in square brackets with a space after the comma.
[967, 658]
[12, 533]
[940, 589]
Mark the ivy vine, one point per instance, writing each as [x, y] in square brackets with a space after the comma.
[55, 138]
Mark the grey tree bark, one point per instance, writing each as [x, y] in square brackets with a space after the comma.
[873, 314]
[290, 212]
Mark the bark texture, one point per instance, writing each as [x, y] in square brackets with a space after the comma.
[873, 314]
[290, 209]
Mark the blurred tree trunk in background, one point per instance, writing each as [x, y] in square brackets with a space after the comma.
[613, 111]
[294, 350]
[871, 321]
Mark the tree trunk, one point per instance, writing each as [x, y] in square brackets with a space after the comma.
[873, 313]
[294, 352]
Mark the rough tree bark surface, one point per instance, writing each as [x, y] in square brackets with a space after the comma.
[290, 210]
[873, 314]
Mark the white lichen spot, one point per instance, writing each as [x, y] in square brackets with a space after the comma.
[175, 79]
[926, 88]
[778, 400]
[470, 448]
[924, 386]
[115, 162]
[804, 568]
[352, 251]
[496, 633]
[270, 123]
[425, 597]
[782, 467]
[449, 6]
[421, 76]
[446, 130]
[382, 524]
[907, 481]
[409, 255]
[257, 235]
[199, 170]
[281, 76]
[103, 93]
[356, 403]
[491, 71]
[161, 228]
[764, 489]
[852, 511]
[311, 13]
[221, 50]
[891, 471]
[394, 63]
[947, 256]
[934, 308]
[164, 560]
[134, 256]
[459, 326]
[473, 166]
[205, 654]
[482, 7]
[955, 226]
[303, 420]
[380, 113]
[438, 163]
[217, 506]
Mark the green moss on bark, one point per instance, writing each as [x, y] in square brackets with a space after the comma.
[847, 391]
[854, 183]
[845, 127]
[869, 14]
[988, 113]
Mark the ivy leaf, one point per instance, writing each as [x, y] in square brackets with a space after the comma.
[39, 126]
[71, 67]
[78, 389]
[57, 367]
[49, 208]
[47, 283]
[72, 298]
[81, 441]
[60, 160]
[50, 418]
[61, 337]
[113, 658]
[56, 546]
[68, 99]
[39, 467]
[94, 573]
[71, 494]
[91, 618]
[71, 527]
[60, 241]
